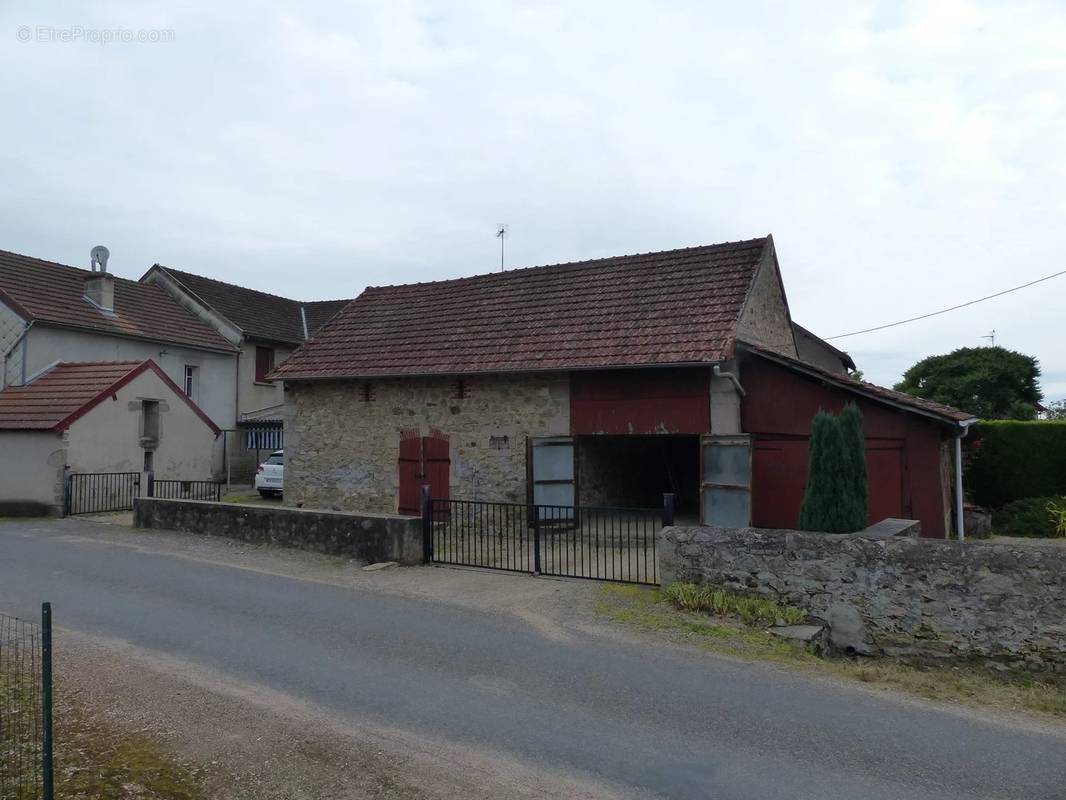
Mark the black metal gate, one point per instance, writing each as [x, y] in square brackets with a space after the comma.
[595, 542]
[98, 492]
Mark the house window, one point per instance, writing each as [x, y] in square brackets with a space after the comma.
[150, 420]
[264, 362]
[149, 461]
[190, 380]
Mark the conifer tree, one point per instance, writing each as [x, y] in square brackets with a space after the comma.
[837, 494]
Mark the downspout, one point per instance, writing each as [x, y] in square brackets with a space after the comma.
[720, 373]
[959, 524]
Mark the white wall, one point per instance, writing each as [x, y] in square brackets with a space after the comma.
[107, 438]
[217, 372]
[31, 467]
[12, 327]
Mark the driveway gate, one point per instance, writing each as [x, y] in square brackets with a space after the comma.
[97, 492]
[596, 542]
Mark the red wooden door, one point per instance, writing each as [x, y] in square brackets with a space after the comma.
[436, 464]
[410, 473]
[778, 482]
[423, 459]
[884, 465]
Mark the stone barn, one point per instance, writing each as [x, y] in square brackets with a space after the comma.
[605, 382]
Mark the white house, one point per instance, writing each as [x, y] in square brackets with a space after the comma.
[98, 417]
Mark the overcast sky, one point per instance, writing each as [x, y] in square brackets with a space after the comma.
[905, 156]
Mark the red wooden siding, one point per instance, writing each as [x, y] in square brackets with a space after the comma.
[779, 480]
[640, 401]
[902, 449]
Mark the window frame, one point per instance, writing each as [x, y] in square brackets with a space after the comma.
[189, 384]
[262, 371]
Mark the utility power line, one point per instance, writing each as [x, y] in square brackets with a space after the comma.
[952, 308]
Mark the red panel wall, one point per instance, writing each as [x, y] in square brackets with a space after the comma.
[640, 401]
[903, 449]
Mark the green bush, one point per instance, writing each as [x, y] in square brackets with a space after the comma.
[1008, 460]
[837, 495]
[723, 603]
[1028, 517]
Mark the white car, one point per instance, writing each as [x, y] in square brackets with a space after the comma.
[270, 476]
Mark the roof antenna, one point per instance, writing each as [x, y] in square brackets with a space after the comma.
[501, 234]
[991, 336]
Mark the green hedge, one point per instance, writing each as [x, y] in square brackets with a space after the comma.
[1029, 517]
[1009, 460]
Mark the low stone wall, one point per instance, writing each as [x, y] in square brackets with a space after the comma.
[366, 537]
[922, 599]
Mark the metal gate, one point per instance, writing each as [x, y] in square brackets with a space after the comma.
[595, 542]
[98, 492]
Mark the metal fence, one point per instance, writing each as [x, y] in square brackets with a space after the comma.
[99, 492]
[185, 490]
[597, 542]
[102, 492]
[26, 708]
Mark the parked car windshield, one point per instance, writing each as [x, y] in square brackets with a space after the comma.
[277, 458]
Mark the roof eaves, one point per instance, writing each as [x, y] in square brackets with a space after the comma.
[855, 386]
[312, 375]
[51, 323]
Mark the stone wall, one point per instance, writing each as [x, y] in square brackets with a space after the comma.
[366, 537]
[342, 438]
[916, 598]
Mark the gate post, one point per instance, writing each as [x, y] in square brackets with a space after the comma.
[46, 701]
[668, 509]
[68, 481]
[427, 524]
[151, 483]
[536, 540]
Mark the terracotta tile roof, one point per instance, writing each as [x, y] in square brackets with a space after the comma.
[58, 393]
[258, 314]
[870, 390]
[52, 293]
[673, 307]
[69, 389]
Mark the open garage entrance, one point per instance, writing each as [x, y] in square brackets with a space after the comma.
[635, 471]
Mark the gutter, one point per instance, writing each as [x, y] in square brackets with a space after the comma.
[959, 524]
[720, 373]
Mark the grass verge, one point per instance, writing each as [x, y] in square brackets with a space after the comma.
[651, 610]
[96, 759]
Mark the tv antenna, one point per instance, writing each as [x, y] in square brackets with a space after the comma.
[501, 234]
[991, 336]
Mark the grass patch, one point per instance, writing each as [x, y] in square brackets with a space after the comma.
[651, 610]
[96, 760]
[723, 603]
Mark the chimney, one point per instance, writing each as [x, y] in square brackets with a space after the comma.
[99, 283]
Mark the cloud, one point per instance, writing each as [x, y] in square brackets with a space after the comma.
[905, 156]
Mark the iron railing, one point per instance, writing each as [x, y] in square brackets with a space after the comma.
[99, 492]
[26, 707]
[597, 542]
[185, 490]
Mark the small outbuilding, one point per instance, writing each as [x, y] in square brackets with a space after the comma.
[98, 417]
[597, 383]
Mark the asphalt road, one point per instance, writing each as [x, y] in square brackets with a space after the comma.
[653, 720]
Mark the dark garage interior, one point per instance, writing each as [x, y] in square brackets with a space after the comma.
[635, 471]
